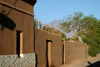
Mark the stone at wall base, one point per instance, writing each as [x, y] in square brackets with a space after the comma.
[26, 60]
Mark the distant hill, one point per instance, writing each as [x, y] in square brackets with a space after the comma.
[55, 24]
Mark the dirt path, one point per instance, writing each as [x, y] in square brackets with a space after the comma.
[90, 62]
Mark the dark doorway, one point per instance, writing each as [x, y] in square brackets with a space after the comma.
[63, 54]
[47, 52]
[18, 36]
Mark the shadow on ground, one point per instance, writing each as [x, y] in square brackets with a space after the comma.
[96, 64]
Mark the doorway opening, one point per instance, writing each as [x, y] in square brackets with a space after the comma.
[62, 53]
[19, 43]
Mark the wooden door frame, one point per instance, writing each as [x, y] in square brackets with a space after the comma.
[48, 52]
[21, 42]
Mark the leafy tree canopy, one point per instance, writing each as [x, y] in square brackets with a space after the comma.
[63, 36]
[92, 38]
[88, 27]
[79, 24]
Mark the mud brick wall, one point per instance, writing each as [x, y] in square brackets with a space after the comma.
[74, 50]
[41, 36]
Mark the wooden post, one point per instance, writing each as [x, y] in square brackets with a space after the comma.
[86, 52]
[64, 50]
[21, 44]
[49, 53]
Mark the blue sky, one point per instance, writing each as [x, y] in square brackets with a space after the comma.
[49, 10]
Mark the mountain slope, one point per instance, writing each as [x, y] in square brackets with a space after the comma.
[55, 23]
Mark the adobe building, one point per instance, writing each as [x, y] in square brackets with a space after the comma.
[16, 33]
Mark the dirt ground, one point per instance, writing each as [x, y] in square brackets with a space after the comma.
[90, 62]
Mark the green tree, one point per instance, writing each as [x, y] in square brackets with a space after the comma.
[79, 24]
[91, 23]
[57, 32]
[72, 23]
[63, 36]
[92, 38]
[88, 27]
[74, 38]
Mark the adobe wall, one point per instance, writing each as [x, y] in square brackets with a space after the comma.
[56, 50]
[74, 50]
[14, 20]
[40, 48]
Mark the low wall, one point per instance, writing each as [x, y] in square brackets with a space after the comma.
[28, 60]
[56, 50]
[41, 37]
[74, 50]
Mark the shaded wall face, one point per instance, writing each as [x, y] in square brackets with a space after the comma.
[56, 51]
[40, 47]
[41, 38]
[13, 21]
[74, 51]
